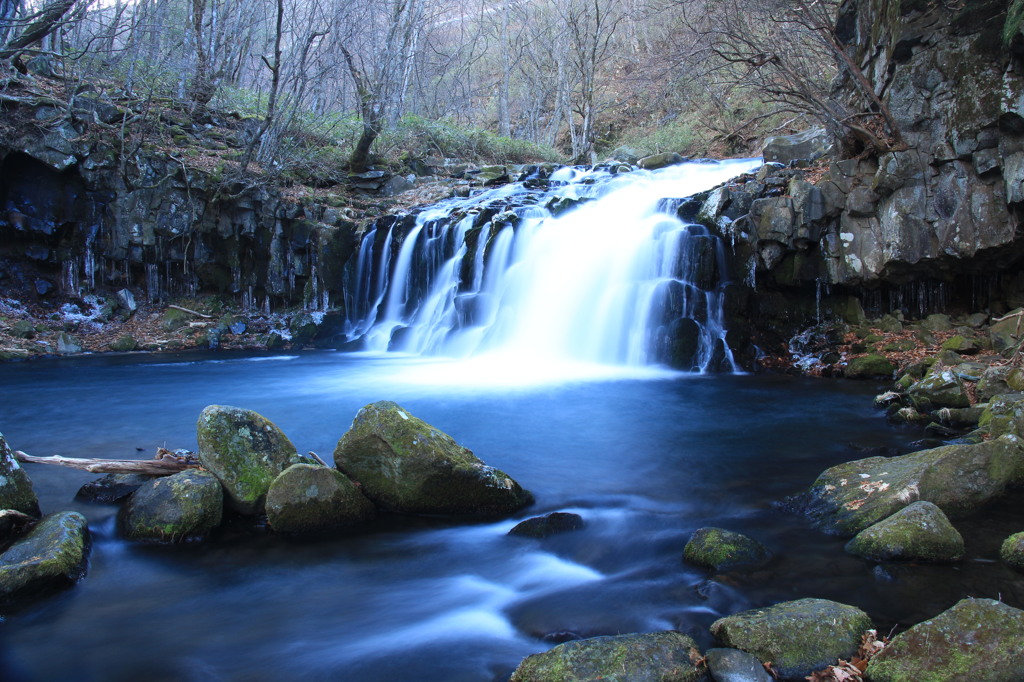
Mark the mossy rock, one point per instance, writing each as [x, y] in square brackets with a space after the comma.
[651, 657]
[15, 486]
[408, 466]
[1006, 334]
[733, 665]
[1015, 379]
[185, 506]
[1004, 415]
[53, 555]
[662, 160]
[918, 532]
[941, 387]
[1012, 551]
[545, 526]
[123, 344]
[314, 500]
[937, 323]
[992, 383]
[961, 344]
[980, 640]
[245, 451]
[303, 328]
[796, 637]
[958, 478]
[718, 549]
[174, 319]
[890, 325]
[869, 367]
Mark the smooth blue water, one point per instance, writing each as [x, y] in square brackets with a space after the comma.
[645, 459]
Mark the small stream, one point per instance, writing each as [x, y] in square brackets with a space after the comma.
[646, 456]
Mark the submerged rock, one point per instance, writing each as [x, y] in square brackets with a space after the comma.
[980, 640]
[796, 637]
[111, 488]
[960, 478]
[722, 550]
[733, 665]
[408, 466]
[53, 555]
[918, 532]
[651, 657]
[245, 451]
[15, 487]
[543, 526]
[185, 506]
[310, 500]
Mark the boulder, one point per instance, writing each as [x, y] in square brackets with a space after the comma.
[980, 640]
[718, 549]
[552, 524]
[245, 451]
[941, 387]
[15, 487]
[1012, 551]
[112, 488]
[918, 532]
[408, 466]
[53, 555]
[871, 366]
[662, 160]
[992, 383]
[313, 499]
[810, 144]
[733, 665]
[185, 506]
[651, 657]
[796, 637]
[1003, 415]
[958, 478]
[1006, 332]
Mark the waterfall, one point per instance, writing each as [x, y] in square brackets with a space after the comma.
[572, 265]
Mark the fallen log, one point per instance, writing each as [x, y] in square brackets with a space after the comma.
[192, 312]
[154, 467]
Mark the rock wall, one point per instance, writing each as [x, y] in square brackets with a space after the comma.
[85, 215]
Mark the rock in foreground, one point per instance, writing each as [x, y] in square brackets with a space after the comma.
[15, 487]
[796, 637]
[718, 549]
[185, 506]
[312, 500]
[408, 466]
[53, 555]
[980, 640]
[919, 532]
[245, 451]
[652, 657]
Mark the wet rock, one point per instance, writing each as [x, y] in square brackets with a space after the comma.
[245, 451]
[959, 478]
[941, 387]
[313, 499]
[544, 526]
[112, 488]
[408, 466]
[718, 549]
[303, 328]
[796, 637]
[14, 524]
[871, 366]
[733, 665]
[1012, 551]
[918, 532]
[980, 640]
[660, 160]
[651, 657]
[15, 486]
[53, 555]
[185, 506]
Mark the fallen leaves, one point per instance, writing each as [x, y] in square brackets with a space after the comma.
[852, 670]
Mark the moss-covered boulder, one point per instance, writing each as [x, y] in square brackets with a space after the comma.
[312, 500]
[796, 637]
[1006, 334]
[53, 555]
[112, 488]
[662, 160]
[959, 478]
[15, 487]
[871, 366]
[718, 549]
[124, 344]
[185, 506]
[992, 383]
[408, 466]
[1012, 551]
[980, 640]
[551, 524]
[918, 532]
[651, 657]
[1004, 414]
[941, 387]
[245, 451]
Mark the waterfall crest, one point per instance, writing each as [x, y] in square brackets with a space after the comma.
[566, 266]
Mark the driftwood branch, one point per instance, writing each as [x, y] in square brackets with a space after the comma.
[193, 312]
[153, 467]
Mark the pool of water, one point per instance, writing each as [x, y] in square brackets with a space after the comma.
[645, 458]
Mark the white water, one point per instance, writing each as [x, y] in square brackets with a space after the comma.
[549, 297]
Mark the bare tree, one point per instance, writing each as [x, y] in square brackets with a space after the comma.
[34, 27]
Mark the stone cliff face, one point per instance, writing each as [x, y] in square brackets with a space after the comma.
[85, 215]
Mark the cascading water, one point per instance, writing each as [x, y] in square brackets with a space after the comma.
[582, 266]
